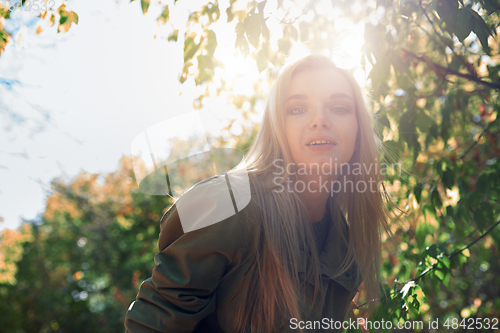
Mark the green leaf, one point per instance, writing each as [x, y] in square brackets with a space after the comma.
[163, 18]
[145, 5]
[229, 11]
[435, 283]
[448, 12]
[205, 69]
[481, 29]
[434, 197]
[173, 36]
[424, 122]
[212, 11]
[417, 192]
[439, 274]
[463, 28]
[211, 44]
[449, 211]
[448, 178]
[404, 291]
[483, 214]
[384, 120]
[445, 261]
[190, 47]
[253, 28]
[432, 250]
[63, 19]
[392, 148]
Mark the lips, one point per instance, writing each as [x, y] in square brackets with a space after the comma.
[321, 140]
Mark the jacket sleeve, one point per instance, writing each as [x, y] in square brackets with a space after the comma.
[188, 269]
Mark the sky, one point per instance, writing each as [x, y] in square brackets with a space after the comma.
[76, 101]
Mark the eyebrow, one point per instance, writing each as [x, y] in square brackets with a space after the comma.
[332, 96]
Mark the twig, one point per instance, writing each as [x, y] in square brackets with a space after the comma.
[441, 69]
[292, 21]
[434, 266]
[438, 34]
[479, 138]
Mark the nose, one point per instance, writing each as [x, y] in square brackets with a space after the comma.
[320, 120]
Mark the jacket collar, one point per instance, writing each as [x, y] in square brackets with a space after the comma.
[333, 254]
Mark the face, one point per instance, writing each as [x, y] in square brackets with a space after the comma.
[321, 122]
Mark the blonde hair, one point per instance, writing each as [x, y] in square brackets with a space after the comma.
[271, 290]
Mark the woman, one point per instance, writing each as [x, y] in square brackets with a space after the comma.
[294, 257]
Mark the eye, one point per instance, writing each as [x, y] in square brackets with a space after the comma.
[340, 109]
[297, 110]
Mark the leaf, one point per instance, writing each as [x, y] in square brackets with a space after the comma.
[483, 214]
[163, 18]
[242, 45]
[73, 17]
[448, 12]
[420, 234]
[253, 28]
[463, 28]
[449, 211]
[212, 11]
[145, 5]
[261, 60]
[406, 288]
[439, 274]
[481, 29]
[190, 47]
[417, 192]
[384, 121]
[392, 148]
[424, 122]
[229, 13]
[205, 69]
[435, 283]
[407, 130]
[211, 44]
[173, 36]
[63, 19]
[434, 197]
[284, 46]
[448, 178]
[432, 251]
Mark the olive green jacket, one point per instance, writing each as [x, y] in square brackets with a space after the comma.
[198, 271]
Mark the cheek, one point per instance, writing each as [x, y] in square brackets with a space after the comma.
[350, 131]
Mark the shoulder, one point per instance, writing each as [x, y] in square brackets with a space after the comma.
[213, 213]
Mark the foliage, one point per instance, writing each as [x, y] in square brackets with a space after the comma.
[86, 257]
[434, 77]
[49, 16]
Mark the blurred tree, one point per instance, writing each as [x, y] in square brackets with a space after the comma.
[84, 261]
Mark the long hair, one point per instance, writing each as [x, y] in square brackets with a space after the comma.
[272, 293]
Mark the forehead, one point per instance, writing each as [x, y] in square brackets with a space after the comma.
[319, 81]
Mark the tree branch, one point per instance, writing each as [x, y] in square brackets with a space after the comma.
[440, 70]
[479, 138]
[438, 34]
[434, 266]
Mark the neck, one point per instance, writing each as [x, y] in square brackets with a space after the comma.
[315, 197]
